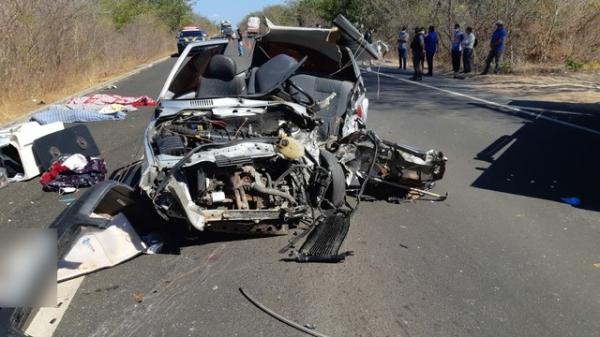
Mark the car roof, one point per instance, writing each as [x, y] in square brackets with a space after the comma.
[191, 29]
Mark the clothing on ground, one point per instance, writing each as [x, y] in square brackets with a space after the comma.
[73, 171]
[65, 114]
[104, 99]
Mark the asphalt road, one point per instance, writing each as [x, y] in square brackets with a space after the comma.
[503, 256]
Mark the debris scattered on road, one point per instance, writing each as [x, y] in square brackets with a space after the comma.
[107, 99]
[3, 177]
[17, 149]
[597, 265]
[324, 242]
[67, 199]
[69, 173]
[138, 296]
[67, 190]
[95, 248]
[98, 107]
[309, 331]
[65, 114]
[76, 139]
[573, 201]
[154, 243]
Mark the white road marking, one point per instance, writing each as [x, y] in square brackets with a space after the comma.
[46, 320]
[485, 101]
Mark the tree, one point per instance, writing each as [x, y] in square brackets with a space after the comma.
[173, 13]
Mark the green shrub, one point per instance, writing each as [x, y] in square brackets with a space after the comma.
[573, 65]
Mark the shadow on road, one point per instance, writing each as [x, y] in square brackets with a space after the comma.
[561, 106]
[546, 160]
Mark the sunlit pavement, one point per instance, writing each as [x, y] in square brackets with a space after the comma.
[502, 256]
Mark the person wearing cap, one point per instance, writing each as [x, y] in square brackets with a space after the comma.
[457, 38]
[431, 43]
[418, 51]
[496, 48]
[468, 43]
[403, 37]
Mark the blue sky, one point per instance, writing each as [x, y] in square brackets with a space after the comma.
[218, 10]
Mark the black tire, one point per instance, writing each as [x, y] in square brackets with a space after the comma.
[336, 193]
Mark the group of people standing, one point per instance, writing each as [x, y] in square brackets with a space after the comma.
[425, 45]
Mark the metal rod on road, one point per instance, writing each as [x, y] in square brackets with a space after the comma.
[281, 318]
[438, 197]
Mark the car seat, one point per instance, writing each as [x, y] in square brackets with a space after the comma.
[219, 79]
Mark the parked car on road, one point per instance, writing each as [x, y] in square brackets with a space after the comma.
[188, 35]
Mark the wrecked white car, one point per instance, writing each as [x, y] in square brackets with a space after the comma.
[266, 148]
[275, 145]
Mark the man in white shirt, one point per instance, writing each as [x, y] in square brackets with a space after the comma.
[468, 43]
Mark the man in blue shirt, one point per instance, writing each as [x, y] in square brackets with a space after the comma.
[457, 37]
[431, 42]
[496, 48]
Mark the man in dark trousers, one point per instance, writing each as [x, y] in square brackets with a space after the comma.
[403, 37]
[431, 43]
[468, 43]
[496, 48]
[240, 38]
[457, 37]
[418, 52]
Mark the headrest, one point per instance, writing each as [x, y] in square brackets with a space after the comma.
[275, 71]
[221, 67]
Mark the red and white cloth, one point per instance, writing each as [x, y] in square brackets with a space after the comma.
[105, 99]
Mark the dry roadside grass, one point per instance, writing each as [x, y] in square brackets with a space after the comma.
[49, 50]
[21, 104]
[562, 87]
[535, 82]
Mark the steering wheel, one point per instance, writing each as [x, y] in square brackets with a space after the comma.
[310, 100]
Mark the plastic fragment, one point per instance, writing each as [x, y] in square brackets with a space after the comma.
[573, 201]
